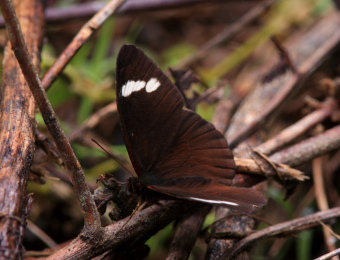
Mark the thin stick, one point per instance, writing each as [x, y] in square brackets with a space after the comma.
[250, 166]
[188, 229]
[78, 41]
[42, 235]
[284, 54]
[93, 121]
[91, 215]
[329, 255]
[321, 199]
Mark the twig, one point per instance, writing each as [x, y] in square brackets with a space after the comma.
[336, 252]
[235, 224]
[42, 235]
[309, 149]
[34, 254]
[91, 215]
[188, 229]
[292, 132]
[321, 199]
[285, 228]
[250, 166]
[284, 54]
[78, 41]
[228, 33]
[93, 120]
[319, 184]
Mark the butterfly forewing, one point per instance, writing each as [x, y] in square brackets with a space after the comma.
[173, 150]
[145, 116]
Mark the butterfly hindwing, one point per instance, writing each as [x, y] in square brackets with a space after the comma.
[242, 199]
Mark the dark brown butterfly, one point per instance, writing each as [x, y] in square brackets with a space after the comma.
[172, 149]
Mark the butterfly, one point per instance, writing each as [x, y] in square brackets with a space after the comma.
[173, 150]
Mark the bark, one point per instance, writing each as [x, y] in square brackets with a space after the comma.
[17, 124]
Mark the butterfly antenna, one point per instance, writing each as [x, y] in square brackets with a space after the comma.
[113, 157]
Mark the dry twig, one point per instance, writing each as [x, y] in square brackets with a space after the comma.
[188, 229]
[250, 166]
[321, 199]
[93, 120]
[336, 252]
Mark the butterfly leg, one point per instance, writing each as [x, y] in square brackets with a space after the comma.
[141, 205]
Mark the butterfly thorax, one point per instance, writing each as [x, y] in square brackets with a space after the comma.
[140, 184]
[135, 185]
[143, 192]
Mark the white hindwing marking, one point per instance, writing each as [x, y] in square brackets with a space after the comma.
[134, 86]
[215, 201]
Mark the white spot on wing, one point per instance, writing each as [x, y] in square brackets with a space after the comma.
[127, 89]
[134, 86]
[215, 201]
[152, 85]
[123, 90]
[138, 85]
